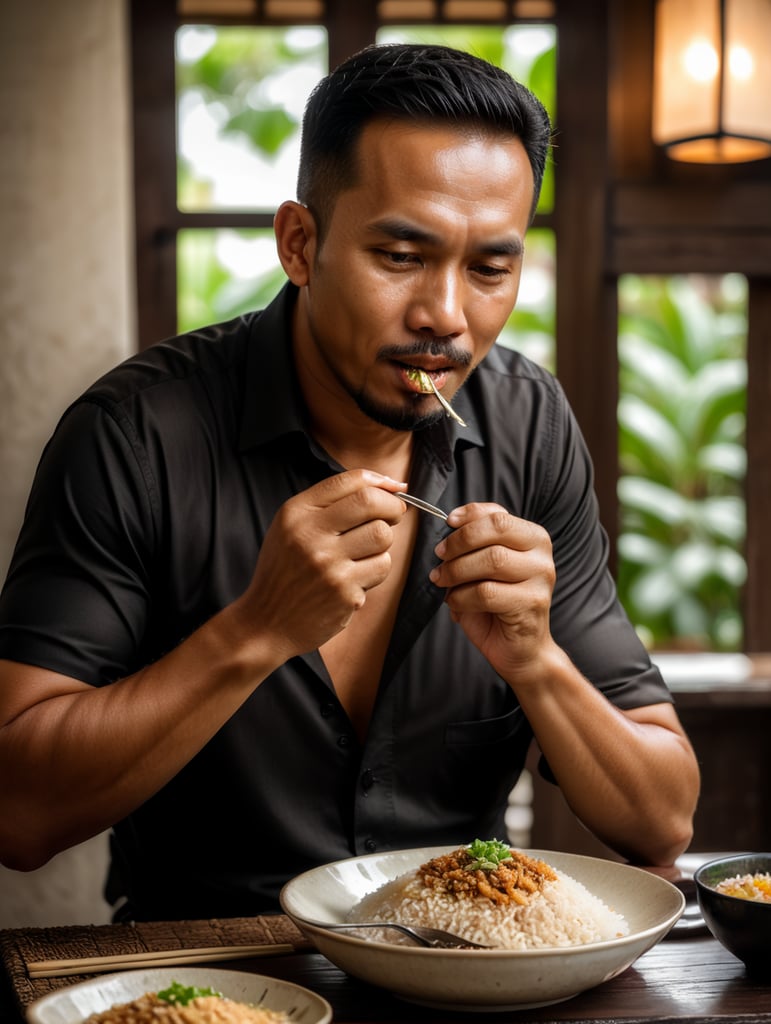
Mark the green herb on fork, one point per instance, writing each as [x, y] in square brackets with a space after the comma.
[426, 384]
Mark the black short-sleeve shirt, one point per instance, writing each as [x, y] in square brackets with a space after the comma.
[146, 517]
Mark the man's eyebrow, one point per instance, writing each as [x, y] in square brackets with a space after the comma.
[406, 231]
[511, 246]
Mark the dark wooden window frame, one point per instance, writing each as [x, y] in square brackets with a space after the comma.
[621, 207]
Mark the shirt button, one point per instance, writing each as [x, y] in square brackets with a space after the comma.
[327, 710]
[370, 845]
[343, 741]
[367, 780]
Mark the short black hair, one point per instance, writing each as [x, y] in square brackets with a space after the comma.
[417, 83]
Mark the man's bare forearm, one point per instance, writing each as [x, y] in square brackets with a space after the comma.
[76, 758]
[630, 776]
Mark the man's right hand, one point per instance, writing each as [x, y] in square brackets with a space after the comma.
[326, 547]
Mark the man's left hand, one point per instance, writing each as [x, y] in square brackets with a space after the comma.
[499, 574]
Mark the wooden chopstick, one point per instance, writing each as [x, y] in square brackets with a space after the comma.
[155, 958]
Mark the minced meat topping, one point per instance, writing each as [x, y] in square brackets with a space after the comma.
[514, 880]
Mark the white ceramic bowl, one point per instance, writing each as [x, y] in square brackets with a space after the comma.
[73, 1004]
[481, 980]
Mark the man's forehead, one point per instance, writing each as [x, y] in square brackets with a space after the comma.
[404, 167]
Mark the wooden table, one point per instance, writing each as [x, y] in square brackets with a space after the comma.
[679, 980]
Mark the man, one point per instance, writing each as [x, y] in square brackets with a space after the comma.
[224, 633]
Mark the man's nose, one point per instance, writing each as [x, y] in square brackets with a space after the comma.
[438, 305]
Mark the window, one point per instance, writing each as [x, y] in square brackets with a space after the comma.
[240, 93]
[614, 217]
[240, 96]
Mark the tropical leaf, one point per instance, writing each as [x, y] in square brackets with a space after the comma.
[656, 592]
[695, 562]
[722, 517]
[542, 80]
[267, 130]
[643, 368]
[682, 457]
[723, 459]
[731, 567]
[652, 438]
[717, 390]
[642, 550]
[690, 618]
[696, 325]
[652, 498]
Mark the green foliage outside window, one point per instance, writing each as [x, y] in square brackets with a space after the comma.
[240, 96]
[682, 459]
[229, 80]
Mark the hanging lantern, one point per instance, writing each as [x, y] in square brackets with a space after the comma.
[712, 80]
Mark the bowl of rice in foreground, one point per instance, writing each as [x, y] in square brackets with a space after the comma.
[130, 997]
[569, 923]
[734, 895]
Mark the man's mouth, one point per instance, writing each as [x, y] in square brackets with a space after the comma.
[417, 379]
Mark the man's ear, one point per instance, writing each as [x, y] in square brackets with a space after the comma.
[295, 229]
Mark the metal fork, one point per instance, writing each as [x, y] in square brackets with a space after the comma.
[423, 505]
[433, 937]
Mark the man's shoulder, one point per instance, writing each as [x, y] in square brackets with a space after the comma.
[513, 364]
[508, 380]
[210, 358]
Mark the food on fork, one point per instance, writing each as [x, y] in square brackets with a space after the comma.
[494, 895]
[424, 381]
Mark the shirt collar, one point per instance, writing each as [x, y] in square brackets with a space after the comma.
[273, 405]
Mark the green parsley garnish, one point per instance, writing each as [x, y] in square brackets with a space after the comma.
[487, 854]
[181, 995]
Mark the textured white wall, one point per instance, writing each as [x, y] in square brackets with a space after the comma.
[66, 296]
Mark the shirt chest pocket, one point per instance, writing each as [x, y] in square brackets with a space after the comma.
[452, 777]
[500, 730]
[483, 760]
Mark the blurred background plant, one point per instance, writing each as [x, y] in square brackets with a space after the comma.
[240, 97]
[682, 459]
[241, 93]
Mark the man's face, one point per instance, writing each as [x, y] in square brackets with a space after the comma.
[419, 268]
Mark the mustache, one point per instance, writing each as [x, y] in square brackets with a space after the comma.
[435, 347]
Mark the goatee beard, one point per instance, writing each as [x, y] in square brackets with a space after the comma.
[407, 418]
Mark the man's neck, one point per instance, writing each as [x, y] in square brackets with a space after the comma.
[346, 433]
[357, 442]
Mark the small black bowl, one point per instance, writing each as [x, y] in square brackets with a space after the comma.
[743, 926]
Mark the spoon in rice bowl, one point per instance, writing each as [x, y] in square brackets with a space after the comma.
[433, 937]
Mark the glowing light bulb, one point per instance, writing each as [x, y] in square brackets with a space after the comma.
[741, 63]
[701, 60]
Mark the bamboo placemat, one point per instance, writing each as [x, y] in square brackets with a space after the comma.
[22, 946]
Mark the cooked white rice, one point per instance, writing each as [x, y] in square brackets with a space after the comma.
[564, 913]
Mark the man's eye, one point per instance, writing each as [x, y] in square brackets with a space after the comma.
[489, 270]
[400, 257]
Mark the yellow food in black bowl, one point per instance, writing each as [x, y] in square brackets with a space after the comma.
[734, 895]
